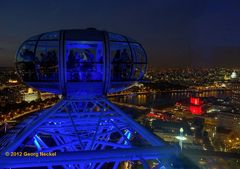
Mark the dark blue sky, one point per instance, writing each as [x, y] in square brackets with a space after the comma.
[175, 33]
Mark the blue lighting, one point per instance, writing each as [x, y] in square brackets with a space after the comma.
[84, 127]
[128, 135]
[88, 64]
[36, 143]
[77, 45]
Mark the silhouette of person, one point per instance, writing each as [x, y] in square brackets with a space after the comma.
[71, 59]
[125, 67]
[117, 66]
[29, 63]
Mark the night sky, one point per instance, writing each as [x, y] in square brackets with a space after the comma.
[175, 33]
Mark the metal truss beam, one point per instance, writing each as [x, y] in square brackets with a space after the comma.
[85, 134]
[161, 152]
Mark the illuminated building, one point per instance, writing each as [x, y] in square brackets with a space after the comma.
[30, 95]
[84, 127]
[196, 106]
[46, 95]
[11, 81]
[10, 95]
[234, 75]
[236, 93]
[154, 115]
[235, 87]
[195, 101]
[168, 131]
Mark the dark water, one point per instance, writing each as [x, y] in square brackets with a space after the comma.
[161, 100]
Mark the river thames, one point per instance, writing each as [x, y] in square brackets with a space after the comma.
[161, 100]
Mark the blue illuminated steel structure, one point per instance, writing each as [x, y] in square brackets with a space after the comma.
[84, 128]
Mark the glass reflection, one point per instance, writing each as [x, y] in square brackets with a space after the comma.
[84, 61]
[121, 61]
[26, 60]
[47, 61]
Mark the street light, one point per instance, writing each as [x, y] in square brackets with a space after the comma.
[181, 138]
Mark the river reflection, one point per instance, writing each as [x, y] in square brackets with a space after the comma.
[165, 99]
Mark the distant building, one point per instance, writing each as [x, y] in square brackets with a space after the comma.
[12, 81]
[235, 87]
[46, 95]
[233, 75]
[10, 95]
[236, 93]
[169, 130]
[196, 106]
[30, 95]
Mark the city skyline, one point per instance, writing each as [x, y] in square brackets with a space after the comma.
[174, 33]
[82, 87]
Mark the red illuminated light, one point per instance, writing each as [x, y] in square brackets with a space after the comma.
[156, 116]
[195, 101]
[197, 110]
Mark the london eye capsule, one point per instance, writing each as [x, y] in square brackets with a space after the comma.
[81, 63]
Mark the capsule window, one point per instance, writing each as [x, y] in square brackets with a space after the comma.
[84, 61]
[50, 36]
[47, 60]
[116, 37]
[139, 70]
[140, 60]
[26, 60]
[121, 61]
[139, 54]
